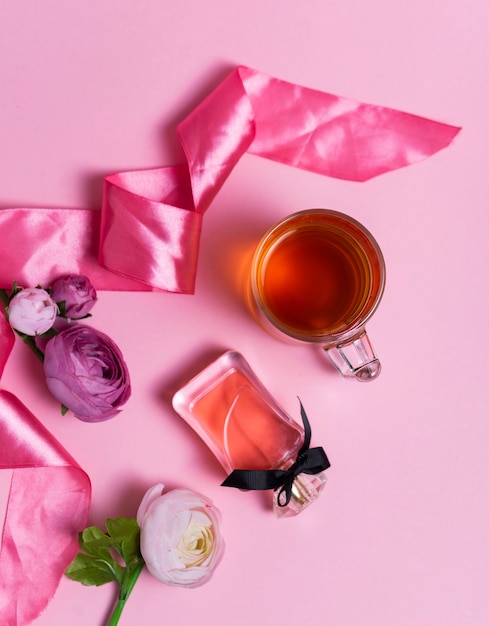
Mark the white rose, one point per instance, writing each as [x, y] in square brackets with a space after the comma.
[181, 542]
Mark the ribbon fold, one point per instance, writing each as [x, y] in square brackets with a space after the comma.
[308, 461]
[146, 236]
[48, 505]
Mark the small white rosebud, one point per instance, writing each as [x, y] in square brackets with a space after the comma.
[32, 311]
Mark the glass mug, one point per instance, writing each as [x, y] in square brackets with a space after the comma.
[318, 276]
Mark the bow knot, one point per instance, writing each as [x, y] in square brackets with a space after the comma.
[308, 461]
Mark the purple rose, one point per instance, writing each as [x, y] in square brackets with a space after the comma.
[76, 292]
[86, 372]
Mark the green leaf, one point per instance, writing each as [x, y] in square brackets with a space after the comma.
[125, 535]
[15, 289]
[4, 298]
[92, 571]
[64, 409]
[95, 542]
[96, 564]
[123, 529]
[49, 333]
[62, 308]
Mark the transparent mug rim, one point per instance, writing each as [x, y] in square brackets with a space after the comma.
[349, 331]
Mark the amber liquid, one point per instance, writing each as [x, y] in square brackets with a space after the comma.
[314, 278]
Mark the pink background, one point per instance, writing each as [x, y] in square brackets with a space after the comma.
[400, 535]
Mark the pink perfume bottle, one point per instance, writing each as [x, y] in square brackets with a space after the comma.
[256, 442]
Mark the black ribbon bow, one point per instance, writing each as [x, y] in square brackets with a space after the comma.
[308, 461]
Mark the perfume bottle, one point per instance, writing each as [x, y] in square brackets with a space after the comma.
[251, 435]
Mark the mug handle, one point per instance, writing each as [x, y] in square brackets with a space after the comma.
[355, 358]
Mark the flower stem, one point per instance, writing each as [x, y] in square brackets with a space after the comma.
[127, 586]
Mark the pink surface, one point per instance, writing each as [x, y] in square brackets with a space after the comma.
[400, 534]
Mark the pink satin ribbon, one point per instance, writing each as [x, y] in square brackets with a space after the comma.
[48, 505]
[146, 237]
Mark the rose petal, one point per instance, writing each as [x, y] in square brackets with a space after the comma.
[149, 497]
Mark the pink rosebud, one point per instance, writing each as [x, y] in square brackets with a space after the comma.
[76, 292]
[32, 311]
[181, 543]
[86, 372]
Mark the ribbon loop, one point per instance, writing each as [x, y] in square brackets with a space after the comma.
[308, 461]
